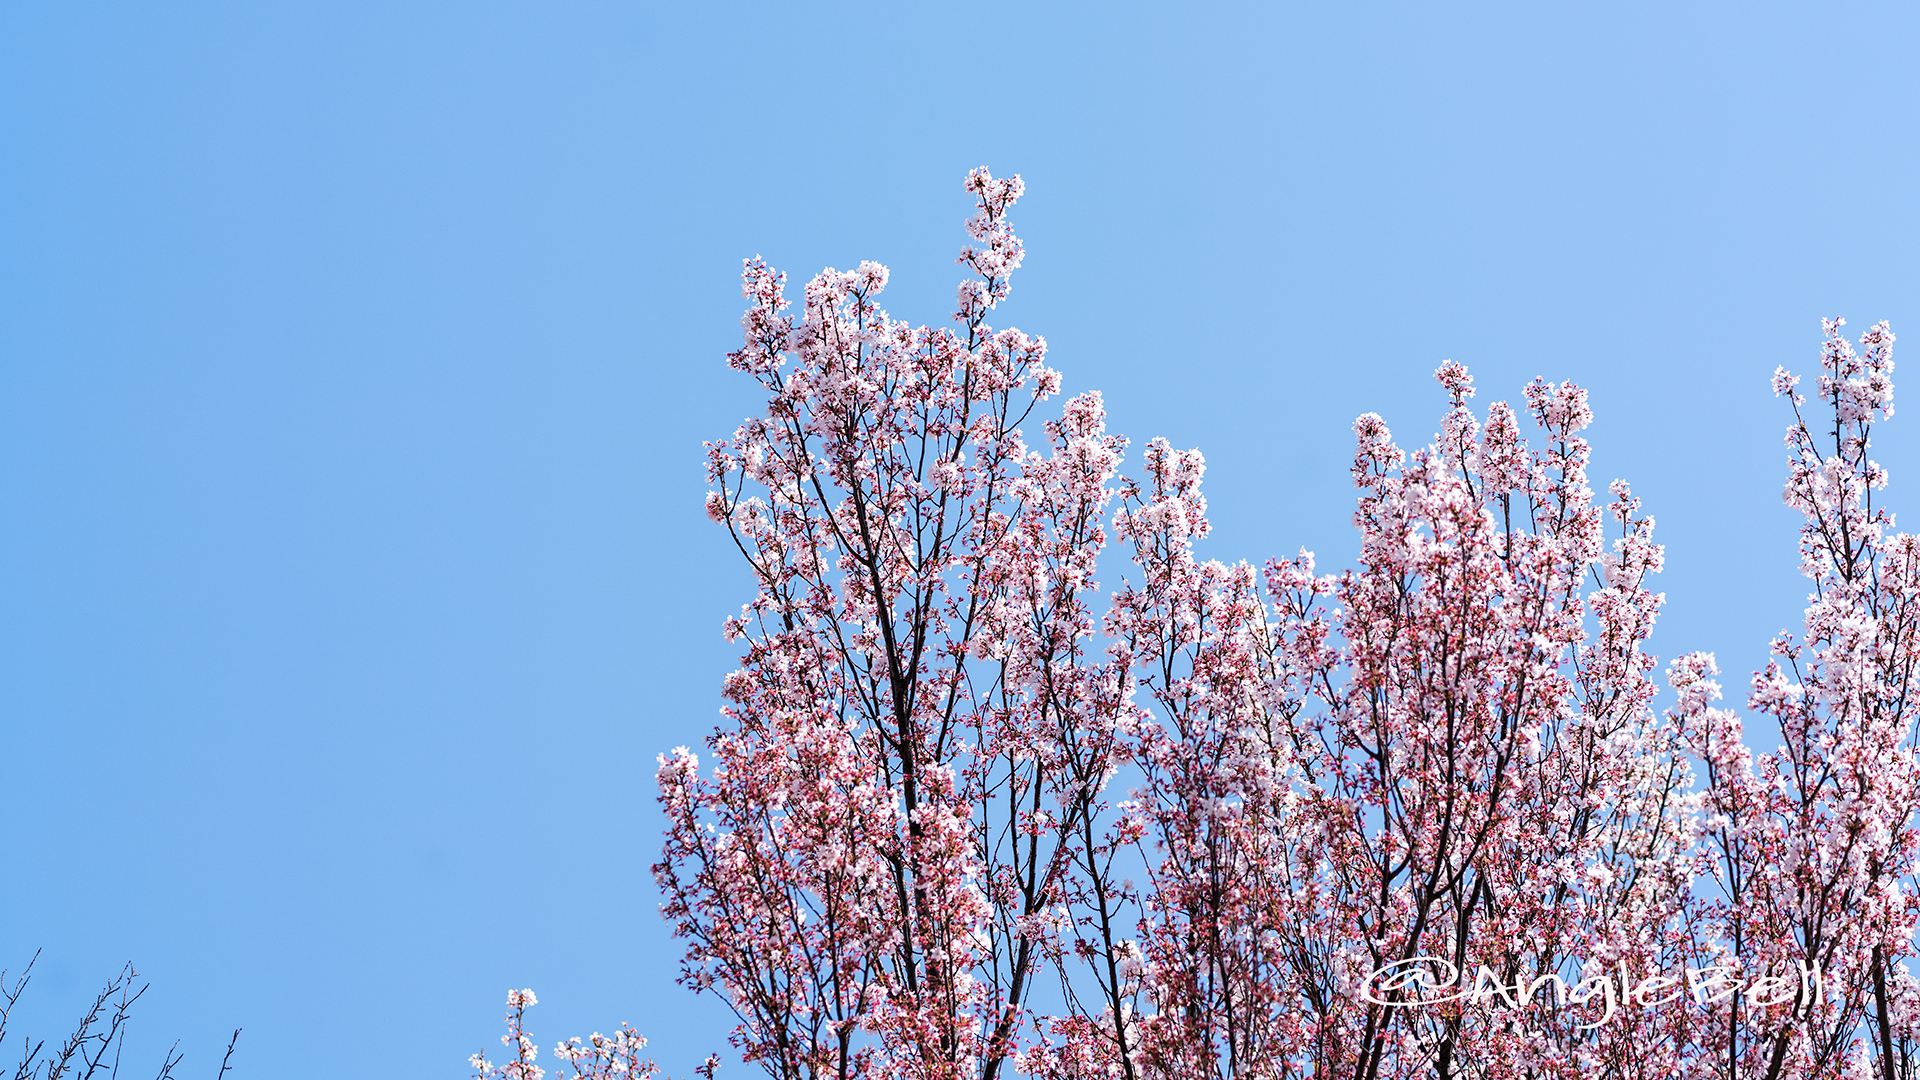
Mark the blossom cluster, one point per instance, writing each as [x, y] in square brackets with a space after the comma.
[601, 1057]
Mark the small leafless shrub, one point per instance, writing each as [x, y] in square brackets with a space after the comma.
[94, 1048]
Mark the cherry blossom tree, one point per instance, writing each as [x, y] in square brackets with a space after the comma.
[1417, 818]
[1431, 755]
[1814, 843]
[912, 785]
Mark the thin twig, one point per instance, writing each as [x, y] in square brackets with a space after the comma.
[223, 1061]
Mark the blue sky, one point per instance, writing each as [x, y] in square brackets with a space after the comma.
[355, 359]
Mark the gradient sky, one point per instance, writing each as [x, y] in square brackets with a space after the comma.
[355, 359]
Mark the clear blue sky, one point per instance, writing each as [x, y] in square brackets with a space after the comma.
[355, 358]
